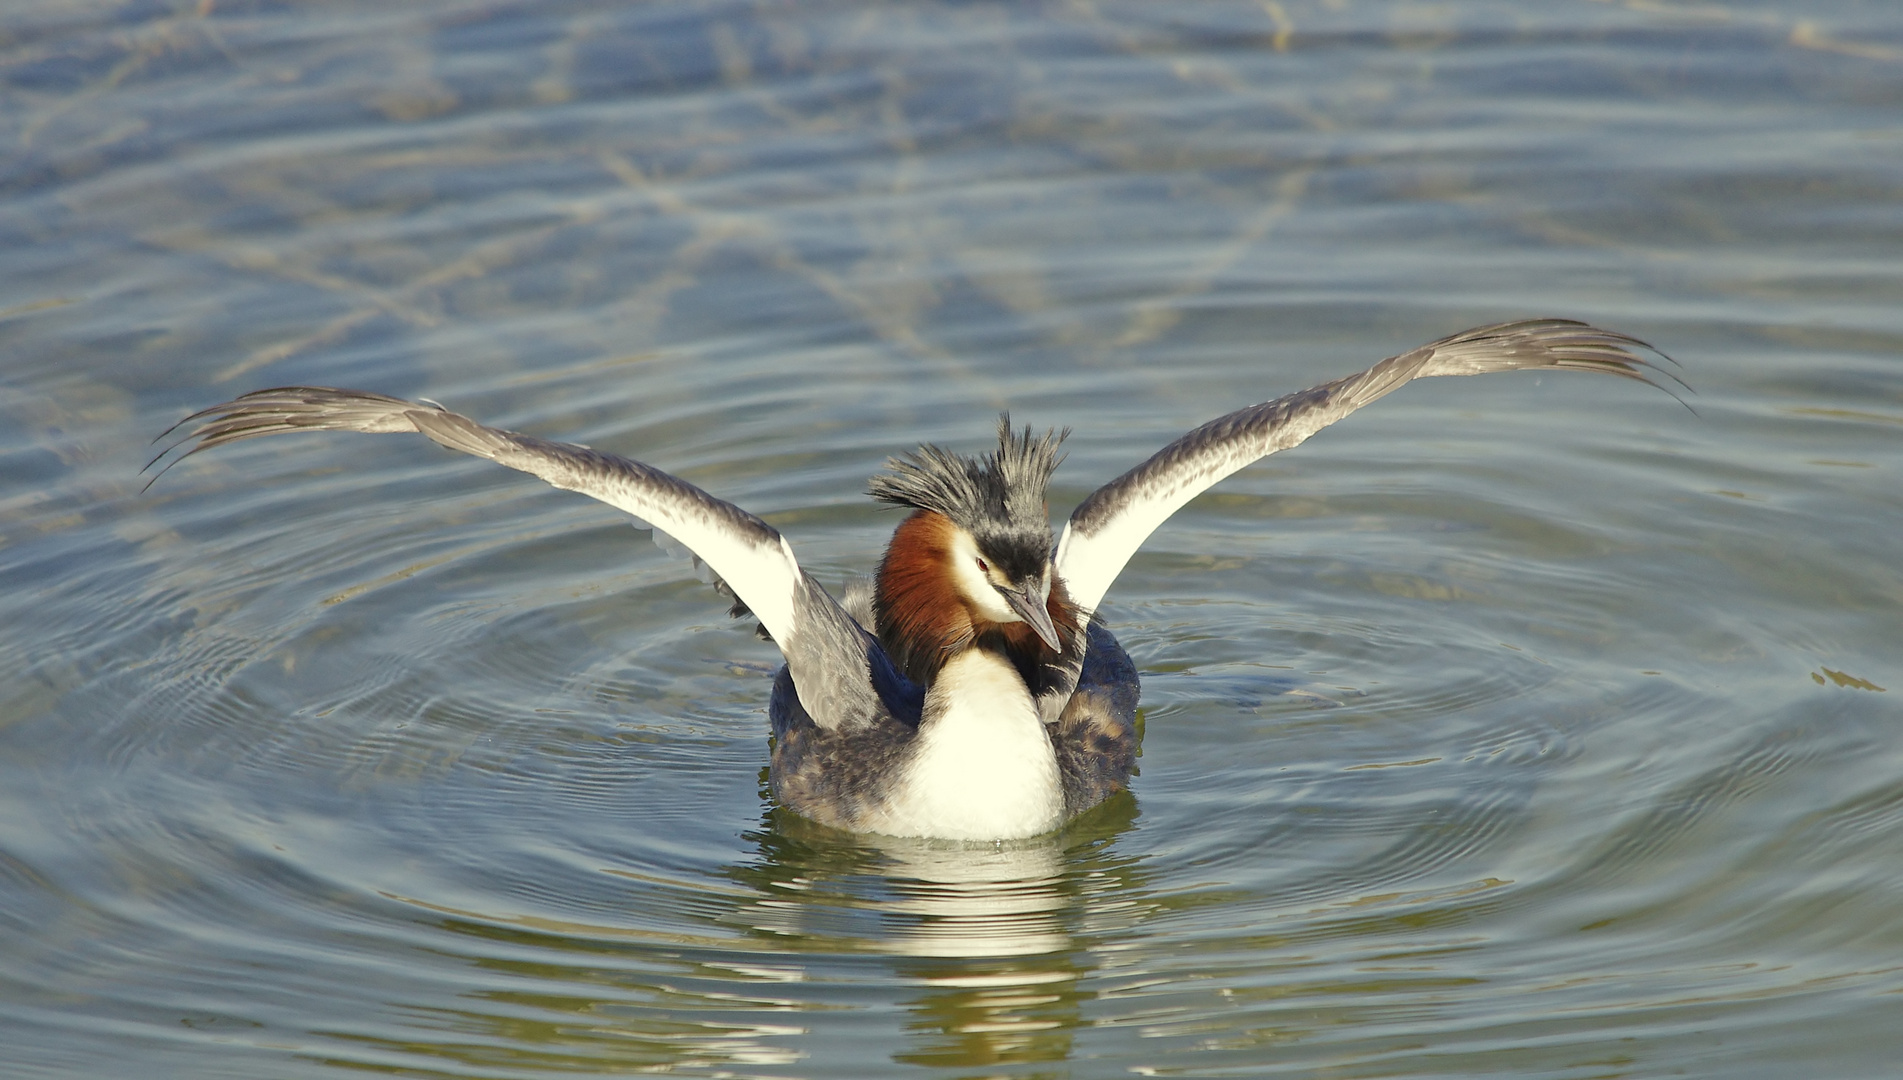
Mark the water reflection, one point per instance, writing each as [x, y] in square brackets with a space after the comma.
[988, 943]
[983, 950]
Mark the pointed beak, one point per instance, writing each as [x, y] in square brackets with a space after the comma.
[1030, 608]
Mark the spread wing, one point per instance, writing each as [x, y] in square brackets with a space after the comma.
[842, 674]
[1109, 526]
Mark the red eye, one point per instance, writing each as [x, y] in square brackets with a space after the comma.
[983, 567]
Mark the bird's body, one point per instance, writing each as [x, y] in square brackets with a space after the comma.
[979, 762]
[975, 694]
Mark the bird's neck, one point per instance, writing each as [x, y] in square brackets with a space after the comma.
[983, 766]
[923, 621]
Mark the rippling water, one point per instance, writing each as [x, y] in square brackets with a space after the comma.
[1524, 725]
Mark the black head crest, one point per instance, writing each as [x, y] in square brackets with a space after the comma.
[998, 498]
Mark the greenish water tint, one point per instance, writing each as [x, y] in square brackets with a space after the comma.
[1525, 726]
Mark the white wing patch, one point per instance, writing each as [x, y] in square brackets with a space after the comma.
[1090, 564]
[751, 556]
[1107, 528]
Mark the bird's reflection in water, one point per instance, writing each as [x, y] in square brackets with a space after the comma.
[988, 943]
[983, 952]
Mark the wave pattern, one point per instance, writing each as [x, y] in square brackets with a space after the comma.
[1487, 733]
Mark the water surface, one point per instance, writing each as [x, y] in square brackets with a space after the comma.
[1529, 725]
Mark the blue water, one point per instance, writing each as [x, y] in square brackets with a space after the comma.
[1526, 725]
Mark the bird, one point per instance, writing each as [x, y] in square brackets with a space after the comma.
[973, 691]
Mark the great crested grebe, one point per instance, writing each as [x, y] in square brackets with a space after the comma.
[975, 694]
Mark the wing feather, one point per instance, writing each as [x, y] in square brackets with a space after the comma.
[1107, 528]
[831, 656]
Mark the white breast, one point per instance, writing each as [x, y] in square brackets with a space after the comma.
[984, 768]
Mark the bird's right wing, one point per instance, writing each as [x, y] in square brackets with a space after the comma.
[1109, 526]
[841, 672]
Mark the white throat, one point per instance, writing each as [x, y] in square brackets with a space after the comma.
[983, 768]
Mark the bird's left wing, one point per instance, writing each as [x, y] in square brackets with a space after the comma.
[840, 669]
[1108, 527]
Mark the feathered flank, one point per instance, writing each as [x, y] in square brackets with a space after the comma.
[998, 498]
